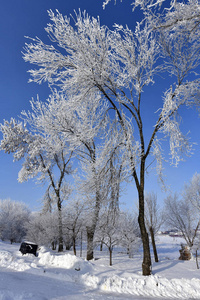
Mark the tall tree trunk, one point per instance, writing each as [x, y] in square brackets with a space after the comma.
[74, 245]
[60, 227]
[110, 251]
[153, 244]
[81, 248]
[91, 228]
[101, 245]
[53, 245]
[197, 259]
[146, 264]
[90, 246]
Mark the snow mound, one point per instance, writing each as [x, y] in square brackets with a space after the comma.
[8, 260]
[65, 261]
[151, 286]
[5, 258]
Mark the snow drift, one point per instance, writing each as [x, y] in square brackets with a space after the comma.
[171, 278]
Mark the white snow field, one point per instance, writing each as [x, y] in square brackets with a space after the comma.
[55, 276]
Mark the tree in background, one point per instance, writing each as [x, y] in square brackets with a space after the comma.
[118, 228]
[108, 231]
[182, 216]
[119, 65]
[191, 191]
[154, 218]
[13, 219]
[130, 232]
[74, 221]
[42, 229]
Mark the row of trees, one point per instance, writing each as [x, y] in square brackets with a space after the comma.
[99, 78]
[113, 227]
[48, 155]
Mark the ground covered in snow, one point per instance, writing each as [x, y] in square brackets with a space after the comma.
[55, 276]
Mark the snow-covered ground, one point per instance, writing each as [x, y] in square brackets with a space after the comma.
[58, 276]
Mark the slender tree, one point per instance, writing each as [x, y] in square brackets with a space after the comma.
[73, 221]
[154, 218]
[108, 231]
[129, 232]
[46, 156]
[99, 183]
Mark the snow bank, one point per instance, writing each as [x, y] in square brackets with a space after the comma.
[8, 260]
[151, 286]
[45, 258]
[65, 270]
[66, 261]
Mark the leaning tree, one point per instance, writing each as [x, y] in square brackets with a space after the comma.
[120, 64]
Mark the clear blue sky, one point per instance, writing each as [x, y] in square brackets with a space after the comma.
[28, 18]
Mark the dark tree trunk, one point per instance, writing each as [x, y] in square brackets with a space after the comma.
[110, 252]
[53, 244]
[146, 265]
[91, 228]
[81, 248]
[197, 259]
[68, 245]
[90, 246]
[153, 244]
[101, 246]
[74, 245]
[60, 229]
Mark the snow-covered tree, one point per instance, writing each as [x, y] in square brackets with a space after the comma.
[108, 231]
[13, 219]
[42, 229]
[118, 228]
[119, 65]
[129, 232]
[73, 221]
[154, 218]
[117, 166]
[182, 216]
[104, 170]
[191, 191]
[46, 156]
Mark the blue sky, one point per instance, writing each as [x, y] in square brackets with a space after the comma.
[28, 18]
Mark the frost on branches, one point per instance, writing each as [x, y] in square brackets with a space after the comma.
[88, 59]
[45, 155]
[13, 219]
[92, 66]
